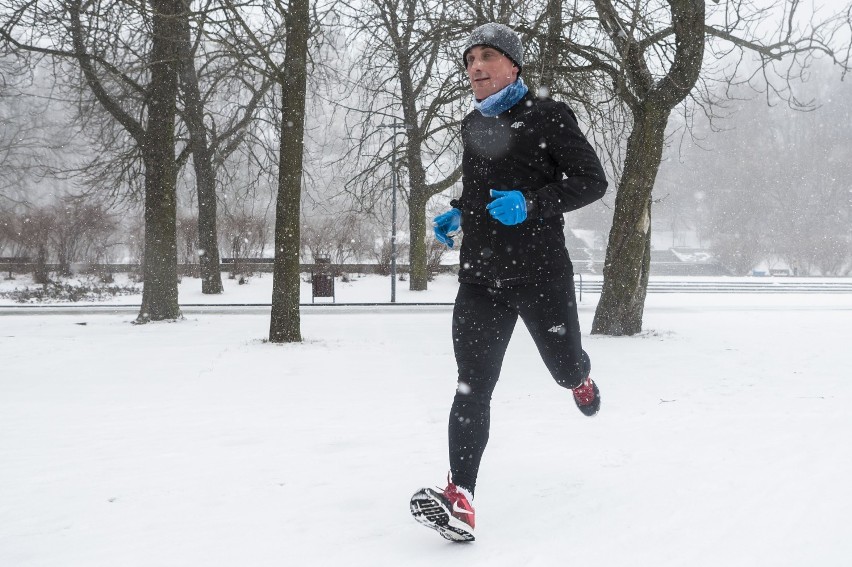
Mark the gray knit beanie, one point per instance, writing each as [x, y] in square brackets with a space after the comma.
[500, 37]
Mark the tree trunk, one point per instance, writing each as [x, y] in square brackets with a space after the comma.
[628, 254]
[419, 277]
[160, 294]
[40, 273]
[285, 325]
[64, 267]
[550, 49]
[418, 195]
[202, 161]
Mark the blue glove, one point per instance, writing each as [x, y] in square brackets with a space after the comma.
[509, 207]
[446, 223]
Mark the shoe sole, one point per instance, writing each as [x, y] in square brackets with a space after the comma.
[429, 511]
[591, 410]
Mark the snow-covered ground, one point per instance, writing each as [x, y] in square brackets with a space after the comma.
[720, 441]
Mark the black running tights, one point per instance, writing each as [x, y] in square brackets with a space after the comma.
[483, 321]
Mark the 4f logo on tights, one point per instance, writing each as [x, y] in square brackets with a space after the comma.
[558, 329]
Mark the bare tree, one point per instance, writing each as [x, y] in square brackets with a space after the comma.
[134, 241]
[188, 248]
[244, 235]
[656, 64]
[202, 159]
[80, 229]
[90, 34]
[15, 234]
[33, 235]
[214, 110]
[8, 231]
[381, 254]
[30, 135]
[291, 77]
[212, 145]
[285, 323]
[16, 142]
[436, 251]
[342, 237]
[102, 239]
[159, 294]
[412, 99]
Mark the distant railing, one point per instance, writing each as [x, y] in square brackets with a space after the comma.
[16, 264]
[735, 285]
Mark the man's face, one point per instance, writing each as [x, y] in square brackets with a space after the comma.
[489, 71]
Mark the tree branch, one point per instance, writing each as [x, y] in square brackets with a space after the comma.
[133, 127]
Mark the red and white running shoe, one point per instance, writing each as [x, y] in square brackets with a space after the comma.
[587, 397]
[449, 512]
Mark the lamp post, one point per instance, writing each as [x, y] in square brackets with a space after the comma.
[393, 125]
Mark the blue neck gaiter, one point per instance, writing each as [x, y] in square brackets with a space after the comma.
[503, 100]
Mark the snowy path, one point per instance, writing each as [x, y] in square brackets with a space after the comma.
[720, 442]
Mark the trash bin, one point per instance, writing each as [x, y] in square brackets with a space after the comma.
[322, 280]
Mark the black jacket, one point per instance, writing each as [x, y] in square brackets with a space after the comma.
[535, 147]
